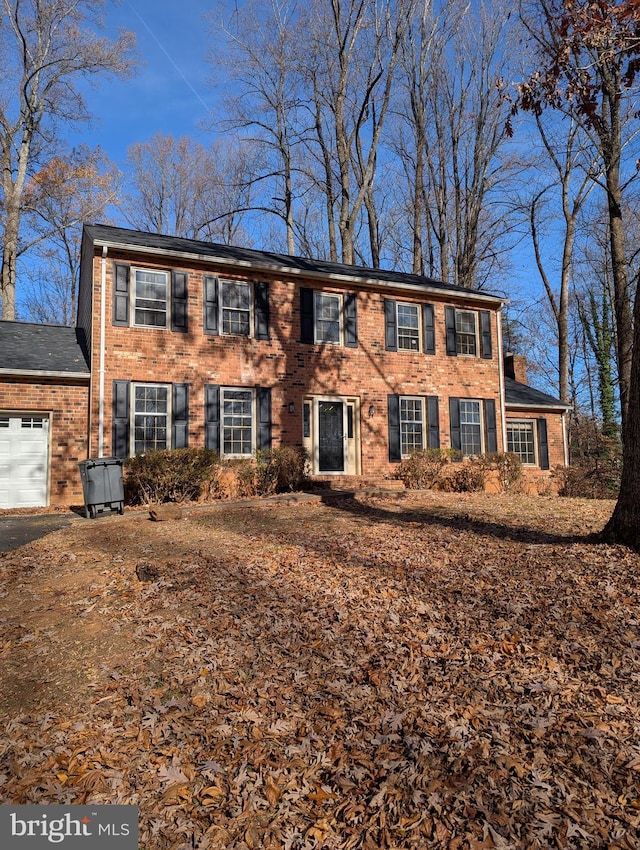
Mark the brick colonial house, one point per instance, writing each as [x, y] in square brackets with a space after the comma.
[183, 343]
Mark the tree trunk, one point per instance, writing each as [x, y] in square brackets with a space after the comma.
[624, 525]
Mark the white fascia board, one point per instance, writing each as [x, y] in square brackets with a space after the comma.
[43, 373]
[466, 295]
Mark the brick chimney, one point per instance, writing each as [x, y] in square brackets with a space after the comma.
[515, 366]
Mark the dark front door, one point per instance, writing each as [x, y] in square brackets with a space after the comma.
[330, 436]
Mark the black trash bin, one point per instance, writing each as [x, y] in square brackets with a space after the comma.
[102, 485]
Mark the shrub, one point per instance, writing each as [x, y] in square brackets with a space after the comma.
[468, 477]
[292, 467]
[507, 465]
[174, 475]
[423, 469]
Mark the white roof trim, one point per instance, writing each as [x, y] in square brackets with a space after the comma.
[43, 373]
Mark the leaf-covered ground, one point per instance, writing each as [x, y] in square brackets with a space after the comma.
[438, 671]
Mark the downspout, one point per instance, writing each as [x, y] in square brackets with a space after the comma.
[503, 407]
[103, 312]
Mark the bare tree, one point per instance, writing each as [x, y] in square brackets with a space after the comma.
[56, 201]
[180, 188]
[351, 68]
[453, 138]
[46, 47]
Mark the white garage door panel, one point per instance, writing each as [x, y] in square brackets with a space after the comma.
[24, 461]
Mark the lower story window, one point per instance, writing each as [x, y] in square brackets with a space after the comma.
[150, 418]
[237, 422]
[470, 427]
[520, 440]
[411, 425]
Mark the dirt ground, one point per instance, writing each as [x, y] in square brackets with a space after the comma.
[429, 670]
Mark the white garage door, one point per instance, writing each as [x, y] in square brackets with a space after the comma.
[24, 460]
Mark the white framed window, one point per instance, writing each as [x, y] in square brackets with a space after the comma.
[408, 324]
[151, 412]
[411, 425]
[470, 427]
[151, 298]
[235, 308]
[237, 418]
[327, 318]
[466, 332]
[521, 439]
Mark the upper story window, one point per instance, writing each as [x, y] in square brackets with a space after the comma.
[408, 327]
[235, 308]
[403, 331]
[328, 317]
[151, 291]
[150, 298]
[468, 332]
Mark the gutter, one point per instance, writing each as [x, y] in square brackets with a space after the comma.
[466, 295]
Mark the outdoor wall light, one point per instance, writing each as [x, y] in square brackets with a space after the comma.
[292, 407]
[372, 410]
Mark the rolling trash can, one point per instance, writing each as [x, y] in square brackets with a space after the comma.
[102, 485]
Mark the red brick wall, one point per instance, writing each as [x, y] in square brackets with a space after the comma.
[291, 368]
[66, 404]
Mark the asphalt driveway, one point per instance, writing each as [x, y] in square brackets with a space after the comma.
[15, 531]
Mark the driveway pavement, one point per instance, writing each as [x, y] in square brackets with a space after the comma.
[17, 530]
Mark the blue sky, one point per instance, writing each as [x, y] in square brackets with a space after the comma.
[171, 91]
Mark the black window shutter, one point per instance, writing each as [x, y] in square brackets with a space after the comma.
[429, 328]
[390, 325]
[121, 295]
[454, 424]
[261, 302]
[180, 413]
[263, 397]
[490, 424]
[393, 408]
[210, 304]
[450, 325]
[485, 335]
[543, 445]
[179, 301]
[351, 320]
[433, 418]
[306, 315]
[212, 417]
[120, 419]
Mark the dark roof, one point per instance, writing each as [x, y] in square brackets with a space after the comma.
[26, 347]
[269, 261]
[522, 395]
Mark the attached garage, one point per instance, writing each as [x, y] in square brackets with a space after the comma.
[24, 460]
[44, 389]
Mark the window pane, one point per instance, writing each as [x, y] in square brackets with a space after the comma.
[465, 332]
[236, 308]
[520, 440]
[411, 425]
[408, 327]
[150, 419]
[151, 299]
[470, 428]
[237, 422]
[327, 317]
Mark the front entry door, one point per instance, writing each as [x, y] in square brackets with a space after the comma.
[330, 436]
